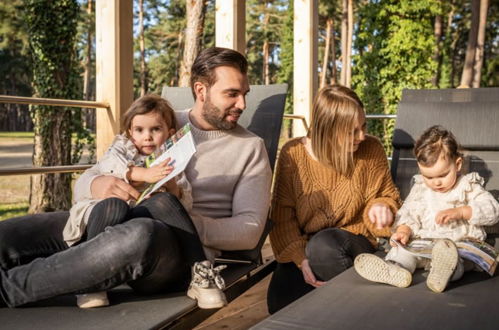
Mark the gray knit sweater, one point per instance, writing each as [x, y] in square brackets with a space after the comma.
[230, 177]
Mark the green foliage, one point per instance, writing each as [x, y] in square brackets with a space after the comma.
[395, 45]
[12, 210]
[15, 64]
[164, 32]
[56, 74]
[264, 23]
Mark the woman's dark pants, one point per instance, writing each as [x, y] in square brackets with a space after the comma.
[330, 252]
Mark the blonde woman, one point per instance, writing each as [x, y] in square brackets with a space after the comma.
[333, 196]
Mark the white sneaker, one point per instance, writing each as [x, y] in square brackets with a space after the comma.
[91, 300]
[376, 269]
[207, 285]
[444, 259]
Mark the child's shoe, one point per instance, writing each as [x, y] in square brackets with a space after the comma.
[207, 285]
[91, 300]
[376, 269]
[444, 259]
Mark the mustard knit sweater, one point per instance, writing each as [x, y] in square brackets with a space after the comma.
[309, 197]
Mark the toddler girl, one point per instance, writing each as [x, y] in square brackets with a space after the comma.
[442, 205]
[147, 124]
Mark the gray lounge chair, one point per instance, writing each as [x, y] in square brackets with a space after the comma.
[350, 302]
[263, 116]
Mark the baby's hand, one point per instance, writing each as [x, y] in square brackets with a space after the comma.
[400, 236]
[158, 172]
[446, 216]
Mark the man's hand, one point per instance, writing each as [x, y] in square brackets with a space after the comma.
[458, 213]
[109, 186]
[308, 275]
[381, 215]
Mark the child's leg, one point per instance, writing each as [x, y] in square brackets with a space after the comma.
[460, 269]
[390, 270]
[109, 212]
[403, 258]
[444, 260]
[167, 208]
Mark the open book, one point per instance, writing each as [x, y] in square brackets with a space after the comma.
[180, 148]
[480, 253]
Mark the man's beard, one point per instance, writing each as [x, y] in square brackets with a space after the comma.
[216, 117]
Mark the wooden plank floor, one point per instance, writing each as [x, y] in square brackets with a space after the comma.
[244, 311]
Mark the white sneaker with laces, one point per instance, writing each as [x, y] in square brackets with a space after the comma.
[375, 269]
[207, 285]
[91, 300]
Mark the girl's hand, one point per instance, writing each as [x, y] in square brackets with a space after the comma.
[158, 172]
[458, 213]
[402, 237]
[308, 275]
[381, 215]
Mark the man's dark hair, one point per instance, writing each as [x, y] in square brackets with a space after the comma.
[203, 69]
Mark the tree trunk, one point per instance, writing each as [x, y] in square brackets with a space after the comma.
[344, 42]
[87, 74]
[89, 114]
[348, 75]
[334, 72]
[195, 11]
[266, 50]
[437, 56]
[265, 58]
[142, 47]
[467, 75]
[55, 75]
[326, 52]
[477, 67]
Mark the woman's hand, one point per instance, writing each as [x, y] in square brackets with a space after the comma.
[381, 215]
[308, 275]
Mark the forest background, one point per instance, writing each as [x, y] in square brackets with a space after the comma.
[377, 47]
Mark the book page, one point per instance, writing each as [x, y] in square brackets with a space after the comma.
[180, 149]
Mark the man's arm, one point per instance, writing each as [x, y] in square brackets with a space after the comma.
[250, 205]
[103, 180]
[93, 185]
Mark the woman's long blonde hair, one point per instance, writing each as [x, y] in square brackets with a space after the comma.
[334, 114]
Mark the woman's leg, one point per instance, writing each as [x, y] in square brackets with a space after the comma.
[26, 238]
[109, 212]
[168, 209]
[287, 285]
[122, 253]
[332, 251]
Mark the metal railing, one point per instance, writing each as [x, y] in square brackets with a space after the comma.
[94, 104]
[49, 102]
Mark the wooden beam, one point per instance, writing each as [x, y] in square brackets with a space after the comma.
[305, 81]
[230, 28]
[114, 66]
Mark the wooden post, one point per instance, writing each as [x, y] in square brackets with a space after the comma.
[114, 66]
[305, 81]
[230, 25]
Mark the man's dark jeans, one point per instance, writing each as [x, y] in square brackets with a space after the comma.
[146, 253]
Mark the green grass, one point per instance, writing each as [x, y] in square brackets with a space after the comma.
[16, 135]
[13, 210]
